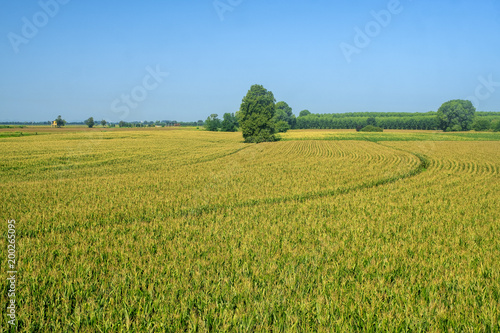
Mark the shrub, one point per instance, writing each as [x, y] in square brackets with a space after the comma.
[496, 126]
[371, 128]
[481, 124]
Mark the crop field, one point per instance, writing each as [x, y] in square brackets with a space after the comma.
[390, 135]
[173, 230]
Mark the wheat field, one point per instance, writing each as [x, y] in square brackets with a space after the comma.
[186, 230]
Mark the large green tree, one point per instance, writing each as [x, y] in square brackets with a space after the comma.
[256, 115]
[456, 115]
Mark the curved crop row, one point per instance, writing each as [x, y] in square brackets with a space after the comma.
[474, 158]
[196, 178]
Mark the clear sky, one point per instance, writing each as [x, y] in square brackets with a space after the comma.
[184, 60]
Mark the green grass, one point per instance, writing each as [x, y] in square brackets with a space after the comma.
[12, 126]
[17, 134]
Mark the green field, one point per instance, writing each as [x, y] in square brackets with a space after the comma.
[151, 230]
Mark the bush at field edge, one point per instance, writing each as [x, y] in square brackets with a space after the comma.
[371, 128]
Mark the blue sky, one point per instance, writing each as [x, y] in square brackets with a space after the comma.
[184, 60]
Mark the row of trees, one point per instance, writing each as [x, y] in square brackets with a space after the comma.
[229, 123]
[155, 124]
[326, 121]
[91, 123]
[377, 114]
[455, 115]
[260, 118]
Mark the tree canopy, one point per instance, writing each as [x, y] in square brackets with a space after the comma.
[229, 123]
[284, 113]
[371, 121]
[481, 124]
[281, 126]
[456, 115]
[256, 115]
[354, 120]
[496, 126]
[304, 113]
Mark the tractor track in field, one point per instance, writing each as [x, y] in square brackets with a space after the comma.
[213, 208]
[421, 167]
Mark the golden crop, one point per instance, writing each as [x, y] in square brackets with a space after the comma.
[190, 230]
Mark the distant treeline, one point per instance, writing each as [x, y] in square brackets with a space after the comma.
[386, 120]
[163, 123]
[35, 123]
[349, 120]
[7, 124]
